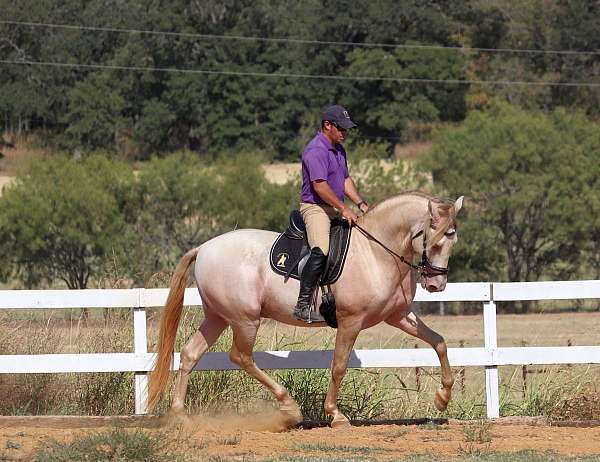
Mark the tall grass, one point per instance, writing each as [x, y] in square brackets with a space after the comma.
[366, 394]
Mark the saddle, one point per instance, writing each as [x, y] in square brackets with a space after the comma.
[290, 250]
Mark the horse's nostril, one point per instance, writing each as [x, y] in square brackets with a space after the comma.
[432, 288]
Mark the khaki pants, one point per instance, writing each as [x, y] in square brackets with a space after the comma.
[318, 224]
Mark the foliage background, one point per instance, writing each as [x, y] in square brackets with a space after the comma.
[139, 166]
[141, 113]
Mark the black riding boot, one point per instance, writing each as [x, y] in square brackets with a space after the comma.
[315, 265]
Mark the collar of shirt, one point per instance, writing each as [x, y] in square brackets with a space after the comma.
[325, 141]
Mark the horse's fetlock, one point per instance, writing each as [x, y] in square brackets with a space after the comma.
[330, 408]
[448, 383]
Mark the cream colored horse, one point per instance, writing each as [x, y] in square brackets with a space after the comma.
[238, 288]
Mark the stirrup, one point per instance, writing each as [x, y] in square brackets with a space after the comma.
[312, 316]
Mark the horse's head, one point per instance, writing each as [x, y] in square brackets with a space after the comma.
[437, 238]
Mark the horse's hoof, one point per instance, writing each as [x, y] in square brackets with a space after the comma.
[291, 416]
[291, 412]
[291, 419]
[440, 401]
[340, 422]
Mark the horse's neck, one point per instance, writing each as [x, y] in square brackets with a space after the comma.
[396, 219]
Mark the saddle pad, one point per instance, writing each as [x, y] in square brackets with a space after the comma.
[287, 252]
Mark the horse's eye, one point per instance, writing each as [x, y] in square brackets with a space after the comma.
[450, 233]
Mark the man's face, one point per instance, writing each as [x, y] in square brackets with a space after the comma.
[334, 132]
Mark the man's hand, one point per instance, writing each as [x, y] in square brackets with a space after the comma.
[349, 215]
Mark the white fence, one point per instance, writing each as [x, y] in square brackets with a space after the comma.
[140, 360]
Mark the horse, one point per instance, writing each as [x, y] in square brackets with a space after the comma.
[238, 288]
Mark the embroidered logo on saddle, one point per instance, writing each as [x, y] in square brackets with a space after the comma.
[290, 250]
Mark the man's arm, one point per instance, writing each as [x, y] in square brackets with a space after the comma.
[325, 192]
[352, 193]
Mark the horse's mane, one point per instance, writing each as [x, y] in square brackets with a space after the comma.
[445, 208]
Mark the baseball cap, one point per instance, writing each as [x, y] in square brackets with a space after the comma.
[338, 115]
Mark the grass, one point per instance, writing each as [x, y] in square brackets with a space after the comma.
[138, 445]
[366, 394]
[478, 432]
[230, 440]
[116, 444]
[324, 447]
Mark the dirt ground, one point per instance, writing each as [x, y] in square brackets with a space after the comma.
[260, 436]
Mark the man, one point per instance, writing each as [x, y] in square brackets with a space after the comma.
[325, 182]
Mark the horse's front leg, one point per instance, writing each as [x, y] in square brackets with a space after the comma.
[344, 341]
[410, 323]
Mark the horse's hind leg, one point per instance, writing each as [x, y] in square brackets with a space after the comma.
[208, 332]
[410, 323]
[244, 337]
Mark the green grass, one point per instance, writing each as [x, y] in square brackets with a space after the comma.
[324, 447]
[478, 432]
[115, 445]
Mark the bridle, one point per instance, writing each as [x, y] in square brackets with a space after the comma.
[425, 268]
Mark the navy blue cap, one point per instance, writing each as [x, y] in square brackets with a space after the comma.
[338, 115]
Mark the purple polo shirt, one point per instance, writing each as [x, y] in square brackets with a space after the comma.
[321, 161]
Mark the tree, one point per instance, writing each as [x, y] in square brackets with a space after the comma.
[94, 116]
[180, 202]
[168, 214]
[529, 180]
[63, 221]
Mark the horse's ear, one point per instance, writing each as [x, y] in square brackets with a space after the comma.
[458, 204]
[433, 211]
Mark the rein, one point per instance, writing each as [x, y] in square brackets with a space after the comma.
[425, 268]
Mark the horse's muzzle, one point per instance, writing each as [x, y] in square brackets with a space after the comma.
[433, 284]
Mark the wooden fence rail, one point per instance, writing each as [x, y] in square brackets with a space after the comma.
[140, 360]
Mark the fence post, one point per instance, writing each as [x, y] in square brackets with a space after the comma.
[491, 372]
[140, 346]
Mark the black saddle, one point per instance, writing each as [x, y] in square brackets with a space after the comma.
[290, 250]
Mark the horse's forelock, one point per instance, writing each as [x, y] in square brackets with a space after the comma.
[446, 220]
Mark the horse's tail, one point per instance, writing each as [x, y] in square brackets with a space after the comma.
[168, 329]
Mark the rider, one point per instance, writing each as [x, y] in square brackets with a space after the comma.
[325, 182]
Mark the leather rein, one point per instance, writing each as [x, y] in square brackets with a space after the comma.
[425, 268]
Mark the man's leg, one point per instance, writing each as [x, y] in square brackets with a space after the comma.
[318, 225]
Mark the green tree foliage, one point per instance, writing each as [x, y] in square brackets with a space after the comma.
[144, 113]
[178, 202]
[63, 221]
[95, 116]
[530, 181]
[71, 221]
[573, 26]
[167, 214]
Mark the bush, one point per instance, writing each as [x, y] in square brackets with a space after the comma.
[63, 220]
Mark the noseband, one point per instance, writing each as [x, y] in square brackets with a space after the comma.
[425, 268]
